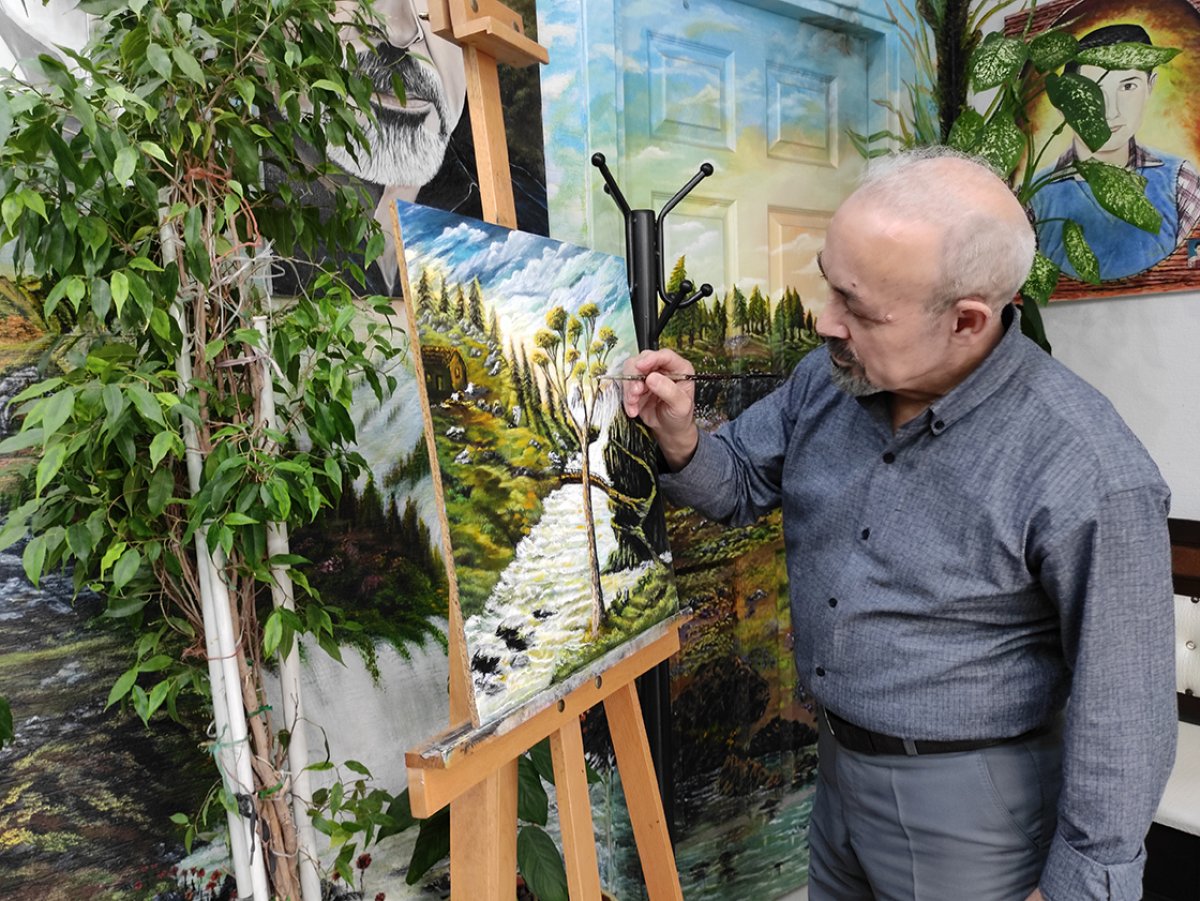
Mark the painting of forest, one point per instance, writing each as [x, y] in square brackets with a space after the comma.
[555, 530]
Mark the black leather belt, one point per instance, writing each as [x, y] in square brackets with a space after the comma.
[864, 741]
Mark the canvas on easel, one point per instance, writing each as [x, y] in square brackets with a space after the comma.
[554, 532]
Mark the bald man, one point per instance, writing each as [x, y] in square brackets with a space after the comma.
[978, 561]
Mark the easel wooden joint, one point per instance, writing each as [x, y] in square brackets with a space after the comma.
[474, 769]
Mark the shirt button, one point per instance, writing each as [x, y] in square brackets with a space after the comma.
[833, 602]
[938, 425]
[1191, 645]
[820, 671]
[866, 533]
[889, 457]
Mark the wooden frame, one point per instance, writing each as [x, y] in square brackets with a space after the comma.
[1172, 273]
[1185, 574]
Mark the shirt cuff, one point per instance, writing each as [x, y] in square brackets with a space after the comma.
[1072, 876]
[698, 473]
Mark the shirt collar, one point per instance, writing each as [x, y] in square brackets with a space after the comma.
[1139, 158]
[1003, 361]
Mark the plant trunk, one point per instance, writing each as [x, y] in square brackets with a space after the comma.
[590, 525]
[283, 595]
[233, 758]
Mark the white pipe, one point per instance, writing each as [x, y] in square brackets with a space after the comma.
[228, 711]
[283, 595]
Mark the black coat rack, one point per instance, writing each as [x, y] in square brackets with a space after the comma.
[647, 288]
[644, 260]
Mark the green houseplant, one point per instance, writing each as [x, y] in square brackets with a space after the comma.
[132, 194]
[956, 63]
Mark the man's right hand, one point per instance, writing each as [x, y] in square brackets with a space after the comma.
[664, 405]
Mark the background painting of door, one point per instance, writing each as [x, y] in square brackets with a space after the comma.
[765, 91]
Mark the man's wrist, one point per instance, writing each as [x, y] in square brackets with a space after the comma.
[678, 452]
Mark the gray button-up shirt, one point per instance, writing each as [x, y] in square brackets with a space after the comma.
[1002, 553]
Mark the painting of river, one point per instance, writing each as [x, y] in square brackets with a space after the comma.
[555, 531]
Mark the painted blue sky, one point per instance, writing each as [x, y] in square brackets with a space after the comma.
[522, 275]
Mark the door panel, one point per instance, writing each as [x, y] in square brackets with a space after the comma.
[766, 97]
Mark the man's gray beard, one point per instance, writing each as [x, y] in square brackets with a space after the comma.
[400, 151]
[850, 379]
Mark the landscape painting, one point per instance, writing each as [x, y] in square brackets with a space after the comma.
[554, 527]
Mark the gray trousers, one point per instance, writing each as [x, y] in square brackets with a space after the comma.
[944, 827]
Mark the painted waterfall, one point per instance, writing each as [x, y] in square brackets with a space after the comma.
[555, 532]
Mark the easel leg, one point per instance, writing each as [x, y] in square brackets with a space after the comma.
[641, 794]
[483, 839]
[575, 813]
[487, 130]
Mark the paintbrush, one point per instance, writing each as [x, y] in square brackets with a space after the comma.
[697, 376]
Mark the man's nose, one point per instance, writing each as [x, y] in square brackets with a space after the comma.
[830, 324]
[401, 24]
[1111, 108]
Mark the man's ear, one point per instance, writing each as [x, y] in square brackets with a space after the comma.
[971, 318]
[1151, 77]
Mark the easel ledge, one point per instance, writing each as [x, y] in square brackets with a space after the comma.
[454, 761]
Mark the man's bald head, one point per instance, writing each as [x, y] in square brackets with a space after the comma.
[987, 241]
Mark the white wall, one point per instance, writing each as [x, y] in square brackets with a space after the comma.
[1143, 352]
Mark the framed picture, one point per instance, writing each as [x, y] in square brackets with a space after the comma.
[1185, 571]
[1155, 121]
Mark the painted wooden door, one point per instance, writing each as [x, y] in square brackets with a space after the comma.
[766, 96]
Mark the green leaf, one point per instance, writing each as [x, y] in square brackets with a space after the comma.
[151, 149]
[996, 61]
[126, 568]
[1052, 49]
[24, 439]
[1042, 280]
[162, 486]
[10, 211]
[159, 59]
[7, 733]
[57, 410]
[1081, 102]
[49, 465]
[33, 201]
[542, 760]
[1122, 192]
[187, 64]
[272, 632]
[125, 164]
[432, 845]
[160, 446]
[146, 404]
[326, 84]
[532, 804]
[122, 686]
[1083, 260]
[541, 864]
[1033, 327]
[119, 287]
[33, 558]
[6, 124]
[1128, 55]
[1002, 143]
[158, 694]
[180, 819]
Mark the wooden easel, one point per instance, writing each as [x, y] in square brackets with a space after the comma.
[474, 770]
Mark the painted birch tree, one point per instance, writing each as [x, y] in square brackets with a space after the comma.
[572, 354]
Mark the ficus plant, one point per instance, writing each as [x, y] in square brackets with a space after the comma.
[133, 198]
[956, 66]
